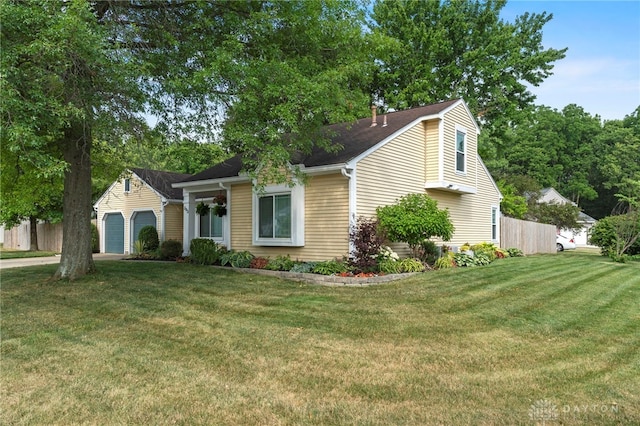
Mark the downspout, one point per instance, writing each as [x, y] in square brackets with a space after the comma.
[163, 219]
[226, 230]
[350, 173]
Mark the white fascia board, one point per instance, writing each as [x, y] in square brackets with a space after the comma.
[205, 184]
[447, 186]
[320, 170]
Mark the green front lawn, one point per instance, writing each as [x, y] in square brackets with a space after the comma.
[21, 254]
[170, 343]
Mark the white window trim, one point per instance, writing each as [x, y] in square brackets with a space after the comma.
[297, 216]
[221, 239]
[497, 224]
[462, 130]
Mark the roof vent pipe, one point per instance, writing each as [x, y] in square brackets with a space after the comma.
[374, 121]
[384, 122]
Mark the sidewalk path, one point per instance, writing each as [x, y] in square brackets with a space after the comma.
[30, 261]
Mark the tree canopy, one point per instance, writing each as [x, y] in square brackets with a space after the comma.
[80, 76]
[449, 49]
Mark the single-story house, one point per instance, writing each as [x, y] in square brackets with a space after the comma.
[581, 236]
[431, 149]
[138, 198]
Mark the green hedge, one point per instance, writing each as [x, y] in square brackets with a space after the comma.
[205, 251]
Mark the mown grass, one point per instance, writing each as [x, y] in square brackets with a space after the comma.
[21, 254]
[169, 343]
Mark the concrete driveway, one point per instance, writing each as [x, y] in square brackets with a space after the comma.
[30, 261]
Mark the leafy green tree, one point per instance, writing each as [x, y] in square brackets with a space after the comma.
[62, 85]
[461, 48]
[512, 204]
[182, 156]
[617, 235]
[556, 149]
[621, 165]
[26, 194]
[414, 219]
[563, 216]
[77, 76]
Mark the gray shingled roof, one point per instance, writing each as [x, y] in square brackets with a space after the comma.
[355, 138]
[161, 181]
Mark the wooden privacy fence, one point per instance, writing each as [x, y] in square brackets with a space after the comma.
[530, 237]
[49, 237]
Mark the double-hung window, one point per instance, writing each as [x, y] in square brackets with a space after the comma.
[461, 148]
[494, 223]
[278, 216]
[210, 226]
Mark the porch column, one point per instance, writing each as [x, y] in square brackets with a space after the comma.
[189, 220]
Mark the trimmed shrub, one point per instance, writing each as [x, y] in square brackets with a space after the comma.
[149, 237]
[170, 250]
[604, 235]
[205, 251]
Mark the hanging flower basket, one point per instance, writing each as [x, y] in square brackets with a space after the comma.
[219, 210]
[202, 209]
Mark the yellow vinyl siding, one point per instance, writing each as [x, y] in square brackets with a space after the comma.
[432, 151]
[392, 171]
[470, 213]
[326, 220]
[173, 222]
[140, 198]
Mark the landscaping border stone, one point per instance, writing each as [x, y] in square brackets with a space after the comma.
[326, 280]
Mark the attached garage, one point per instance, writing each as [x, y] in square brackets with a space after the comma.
[140, 220]
[114, 233]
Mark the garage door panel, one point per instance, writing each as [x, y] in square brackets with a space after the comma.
[114, 233]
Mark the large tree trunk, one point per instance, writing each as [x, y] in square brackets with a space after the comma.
[33, 233]
[77, 259]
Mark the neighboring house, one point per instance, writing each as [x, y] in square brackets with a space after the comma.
[580, 237]
[432, 149]
[140, 197]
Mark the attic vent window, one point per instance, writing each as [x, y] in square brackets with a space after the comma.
[127, 185]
